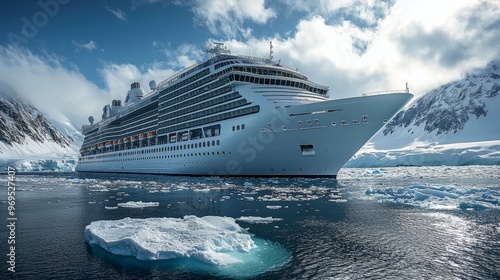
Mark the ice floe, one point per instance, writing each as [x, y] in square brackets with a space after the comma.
[138, 204]
[210, 239]
[258, 220]
[439, 197]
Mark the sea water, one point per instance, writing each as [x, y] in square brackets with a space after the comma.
[387, 223]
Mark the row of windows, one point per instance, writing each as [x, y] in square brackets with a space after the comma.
[140, 128]
[268, 71]
[164, 94]
[181, 147]
[141, 124]
[128, 128]
[222, 64]
[158, 157]
[200, 106]
[190, 91]
[210, 111]
[194, 134]
[278, 82]
[195, 97]
[216, 118]
[238, 127]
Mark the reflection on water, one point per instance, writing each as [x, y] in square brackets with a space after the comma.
[399, 223]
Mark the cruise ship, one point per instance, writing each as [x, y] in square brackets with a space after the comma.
[234, 115]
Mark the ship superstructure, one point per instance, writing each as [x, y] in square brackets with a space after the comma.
[234, 115]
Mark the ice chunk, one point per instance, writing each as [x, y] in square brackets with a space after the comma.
[438, 193]
[138, 204]
[258, 220]
[439, 197]
[210, 239]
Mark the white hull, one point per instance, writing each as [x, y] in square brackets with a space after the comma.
[304, 140]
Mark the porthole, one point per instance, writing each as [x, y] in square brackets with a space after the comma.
[334, 123]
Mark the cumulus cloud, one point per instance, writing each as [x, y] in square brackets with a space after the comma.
[361, 12]
[50, 84]
[228, 17]
[425, 43]
[58, 89]
[118, 13]
[118, 77]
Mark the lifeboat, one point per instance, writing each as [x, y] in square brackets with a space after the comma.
[100, 146]
[93, 147]
[109, 144]
[143, 136]
[151, 134]
[126, 140]
[115, 142]
[120, 141]
[135, 138]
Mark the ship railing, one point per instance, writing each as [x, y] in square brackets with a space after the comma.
[385, 92]
[263, 60]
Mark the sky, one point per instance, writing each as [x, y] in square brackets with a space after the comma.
[69, 58]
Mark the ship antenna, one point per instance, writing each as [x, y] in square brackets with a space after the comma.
[271, 51]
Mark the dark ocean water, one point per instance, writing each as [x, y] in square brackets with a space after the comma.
[392, 223]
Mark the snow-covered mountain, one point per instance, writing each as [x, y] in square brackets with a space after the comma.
[455, 124]
[28, 136]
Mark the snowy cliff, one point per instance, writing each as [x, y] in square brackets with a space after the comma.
[29, 137]
[455, 124]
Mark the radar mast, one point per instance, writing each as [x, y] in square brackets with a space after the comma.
[216, 48]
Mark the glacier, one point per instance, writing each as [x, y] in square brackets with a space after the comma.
[428, 154]
[455, 124]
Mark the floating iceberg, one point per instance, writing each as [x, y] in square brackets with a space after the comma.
[209, 239]
[217, 245]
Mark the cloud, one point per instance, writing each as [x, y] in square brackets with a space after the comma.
[49, 84]
[58, 89]
[118, 78]
[118, 13]
[228, 17]
[425, 43]
[359, 12]
[90, 46]
[138, 3]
